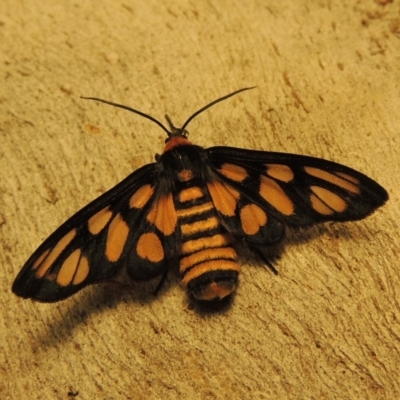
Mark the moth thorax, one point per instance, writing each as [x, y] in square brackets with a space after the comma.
[185, 175]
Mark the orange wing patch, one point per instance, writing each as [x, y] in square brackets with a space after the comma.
[252, 218]
[163, 215]
[141, 196]
[348, 177]
[47, 259]
[99, 220]
[281, 172]
[224, 197]
[326, 202]
[150, 247]
[276, 196]
[116, 238]
[344, 181]
[234, 172]
[74, 270]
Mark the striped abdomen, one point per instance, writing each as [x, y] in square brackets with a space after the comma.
[207, 262]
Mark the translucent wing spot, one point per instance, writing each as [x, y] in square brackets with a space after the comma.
[163, 215]
[341, 181]
[116, 237]
[276, 196]
[224, 198]
[252, 218]
[190, 194]
[149, 246]
[192, 246]
[75, 269]
[141, 196]
[281, 172]
[52, 256]
[99, 220]
[206, 255]
[234, 172]
[326, 202]
[185, 175]
[200, 226]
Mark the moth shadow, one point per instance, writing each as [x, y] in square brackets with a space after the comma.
[271, 255]
[101, 298]
[305, 234]
[107, 296]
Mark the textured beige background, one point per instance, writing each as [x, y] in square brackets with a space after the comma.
[327, 76]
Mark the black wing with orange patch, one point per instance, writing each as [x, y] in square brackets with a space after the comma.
[256, 193]
[124, 226]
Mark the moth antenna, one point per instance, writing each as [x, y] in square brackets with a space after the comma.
[130, 109]
[212, 103]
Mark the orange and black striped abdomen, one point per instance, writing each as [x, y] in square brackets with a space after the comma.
[207, 262]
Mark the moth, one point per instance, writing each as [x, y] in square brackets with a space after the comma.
[187, 208]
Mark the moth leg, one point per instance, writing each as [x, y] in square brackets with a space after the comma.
[264, 258]
[161, 282]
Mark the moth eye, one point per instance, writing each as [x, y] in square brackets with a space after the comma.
[234, 172]
[150, 247]
[326, 202]
[116, 237]
[74, 269]
[276, 196]
[98, 222]
[342, 181]
[252, 218]
[141, 197]
[280, 172]
[51, 256]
